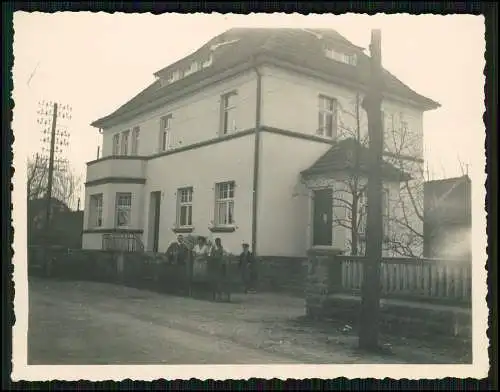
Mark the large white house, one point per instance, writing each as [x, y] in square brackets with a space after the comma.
[247, 139]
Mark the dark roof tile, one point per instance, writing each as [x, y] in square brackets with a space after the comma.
[342, 157]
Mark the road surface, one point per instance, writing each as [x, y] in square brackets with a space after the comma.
[85, 323]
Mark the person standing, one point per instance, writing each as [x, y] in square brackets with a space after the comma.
[218, 272]
[200, 256]
[248, 269]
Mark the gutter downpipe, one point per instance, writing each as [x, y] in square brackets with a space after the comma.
[256, 158]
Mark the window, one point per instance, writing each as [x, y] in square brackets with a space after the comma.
[123, 208]
[95, 216]
[124, 147]
[165, 124]
[345, 58]
[116, 144]
[229, 112]
[327, 117]
[174, 76]
[224, 203]
[135, 141]
[208, 61]
[185, 207]
[194, 67]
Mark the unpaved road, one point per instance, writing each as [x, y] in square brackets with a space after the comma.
[77, 323]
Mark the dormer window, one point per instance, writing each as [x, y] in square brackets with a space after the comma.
[174, 76]
[192, 68]
[208, 61]
[341, 57]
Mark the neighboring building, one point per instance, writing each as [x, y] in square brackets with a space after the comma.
[65, 226]
[217, 144]
[447, 218]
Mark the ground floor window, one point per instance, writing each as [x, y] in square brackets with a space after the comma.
[185, 207]
[224, 203]
[123, 209]
[95, 215]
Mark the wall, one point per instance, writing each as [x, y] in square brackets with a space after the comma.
[291, 103]
[201, 168]
[94, 240]
[283, 198]
[195, 118]
[116, 167]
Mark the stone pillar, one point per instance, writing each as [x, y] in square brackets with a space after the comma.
[323, 277]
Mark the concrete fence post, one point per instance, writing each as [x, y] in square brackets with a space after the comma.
[323, 278]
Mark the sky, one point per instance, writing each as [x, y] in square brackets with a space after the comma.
[95, 62]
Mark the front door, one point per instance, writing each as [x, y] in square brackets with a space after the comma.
[322, 217]
[154, 226]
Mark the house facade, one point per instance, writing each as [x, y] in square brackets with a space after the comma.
[221, 143]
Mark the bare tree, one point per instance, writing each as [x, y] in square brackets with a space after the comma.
[65, 185]
[348, 201]
[403, 210]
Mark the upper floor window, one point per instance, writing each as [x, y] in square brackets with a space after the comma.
[224, 203]
[95, 213]
[124, 144]
[135, 140]
[116, 144]
[185, 207]
[229, 112]
[123, 209]
[165, 126]
[327, 117]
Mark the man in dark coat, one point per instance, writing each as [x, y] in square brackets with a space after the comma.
[248, 269]
[177, 252]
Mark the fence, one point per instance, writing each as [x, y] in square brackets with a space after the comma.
[423, 279]
[127, 242]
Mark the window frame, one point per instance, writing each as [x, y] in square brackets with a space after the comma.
[96, 210]
[119, 207]
[116, 144]
[124, 144]
[323, 113]
[228, 202]
[226, 108]
[165, 131]
[188, 191]
[136, 133]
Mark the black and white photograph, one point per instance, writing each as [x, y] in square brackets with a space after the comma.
[229, 196]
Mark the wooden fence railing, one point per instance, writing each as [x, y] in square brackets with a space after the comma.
[127, 242]
[432, 279]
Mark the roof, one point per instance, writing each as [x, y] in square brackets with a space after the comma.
[341, 157]
[299, 47]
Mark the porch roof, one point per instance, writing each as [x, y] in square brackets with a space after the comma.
[341, 157]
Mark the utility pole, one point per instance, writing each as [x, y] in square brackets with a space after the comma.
[50, 113]
[51, 166]
[370, 303]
